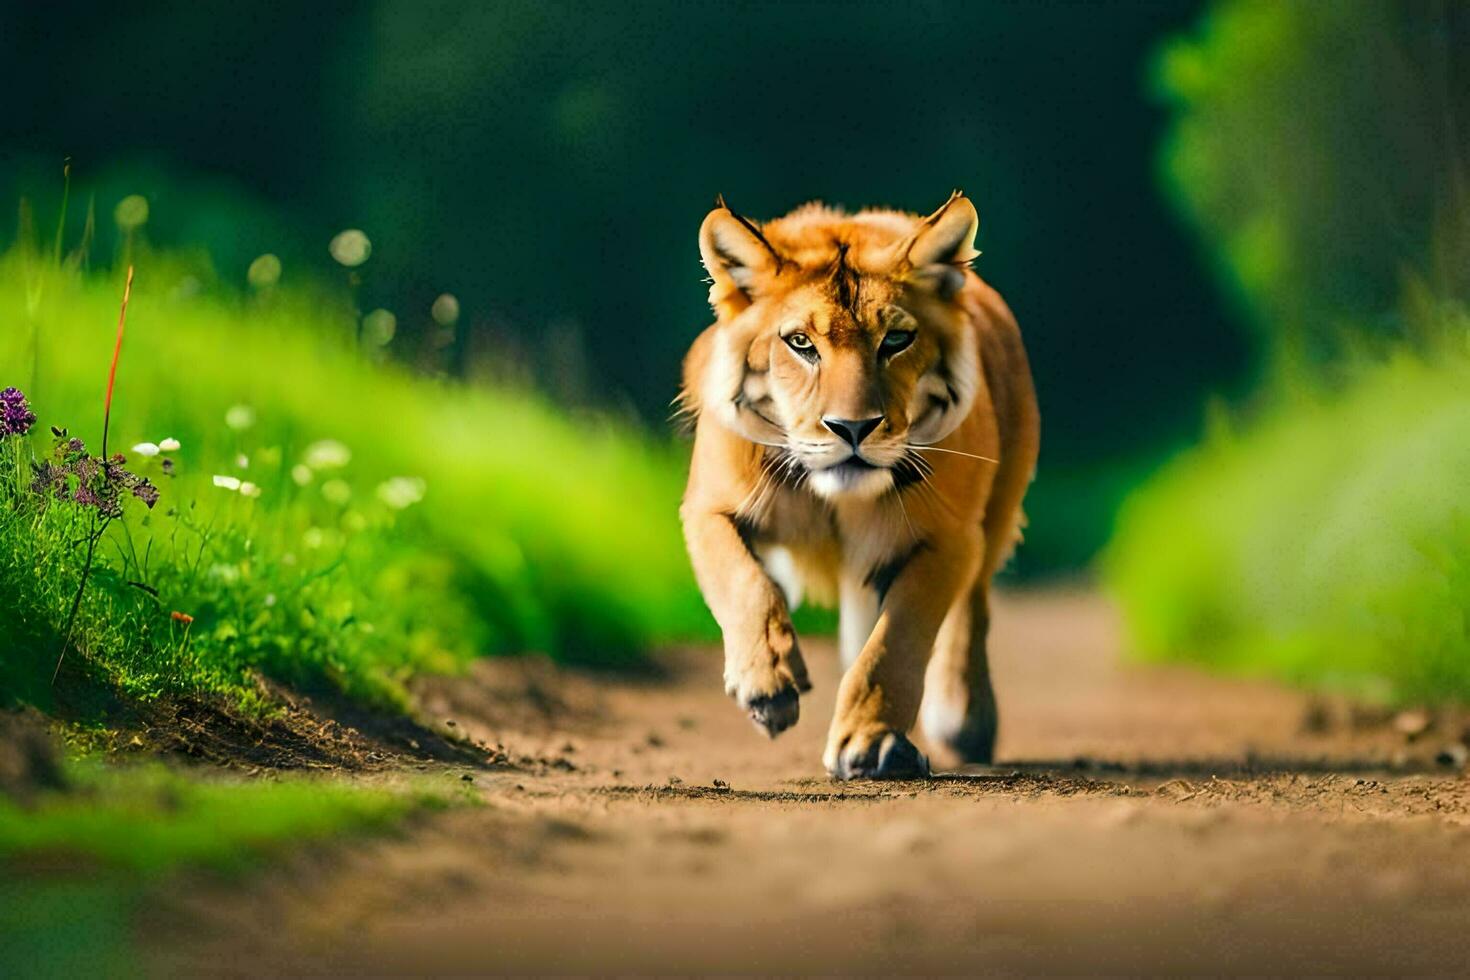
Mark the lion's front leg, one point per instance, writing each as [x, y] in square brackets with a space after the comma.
[764, 670]
[878, 700]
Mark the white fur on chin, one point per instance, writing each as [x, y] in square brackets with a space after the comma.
[862, 485]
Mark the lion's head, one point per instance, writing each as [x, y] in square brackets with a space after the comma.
[840, 338]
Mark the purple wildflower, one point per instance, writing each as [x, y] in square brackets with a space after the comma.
[16, 417]
[75, 475]
[146, 492]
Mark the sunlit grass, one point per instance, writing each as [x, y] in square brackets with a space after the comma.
[1327, 542]
[537, 530]
[76, 865]
[148, 820]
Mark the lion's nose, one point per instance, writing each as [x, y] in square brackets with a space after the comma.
[854, 431]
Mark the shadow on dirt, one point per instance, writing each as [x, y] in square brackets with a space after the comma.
[1082, 776]
[320, 730]
[1224, 767]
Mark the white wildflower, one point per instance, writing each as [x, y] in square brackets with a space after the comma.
[240, 417]
[225, 573]
[337, 491]
[400, 492]
[146, 449]
[227, 482]
[248, 489]
[327, 454]
[351, 248]
[445, 310]
[169, 445]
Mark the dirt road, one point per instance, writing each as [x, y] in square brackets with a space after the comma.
[1141, 820]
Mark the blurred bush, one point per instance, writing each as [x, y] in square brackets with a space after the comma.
[1327, 542]
[1321, 533]
[1319, 148]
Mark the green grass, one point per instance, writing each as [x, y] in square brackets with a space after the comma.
[76, 866]
[539, 529]
[1326, 543]
[149, 821]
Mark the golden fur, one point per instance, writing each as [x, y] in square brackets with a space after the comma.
[865, 428]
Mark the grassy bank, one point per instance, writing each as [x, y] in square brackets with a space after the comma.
[1326, 542]
[76, 866]
[327, 518]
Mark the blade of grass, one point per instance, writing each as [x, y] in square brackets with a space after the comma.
[122, 319]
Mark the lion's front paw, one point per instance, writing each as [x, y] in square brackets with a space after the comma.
[771, 697]
[767, 682]
[879, 753]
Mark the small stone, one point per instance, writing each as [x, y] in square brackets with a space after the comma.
[1453, 755]
[1411, 724]
[1317, 718]
[467, 778]
[450, 722]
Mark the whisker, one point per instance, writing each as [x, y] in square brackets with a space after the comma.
[905, 512]
[920, 463]
[937, 449]
[773, 472]
[762, 484]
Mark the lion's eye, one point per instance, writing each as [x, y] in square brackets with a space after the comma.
[802, 344]
[896, 340]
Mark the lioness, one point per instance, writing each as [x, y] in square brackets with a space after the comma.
[865, 428]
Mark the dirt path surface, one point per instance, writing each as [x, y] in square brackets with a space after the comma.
[1141, 820]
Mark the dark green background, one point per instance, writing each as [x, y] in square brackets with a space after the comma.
[549, 163]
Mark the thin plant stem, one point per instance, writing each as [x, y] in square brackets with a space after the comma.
[61, 221]
[122, 319]
[76, 600]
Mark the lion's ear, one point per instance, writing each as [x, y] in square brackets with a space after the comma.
[946, 237]
[735, 253]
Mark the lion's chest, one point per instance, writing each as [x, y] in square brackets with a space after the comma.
[809, 545]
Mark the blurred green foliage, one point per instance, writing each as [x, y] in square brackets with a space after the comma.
[1327, 542]
[149, 820]
[78, 864]
[1321, 533]
[1320, 149]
